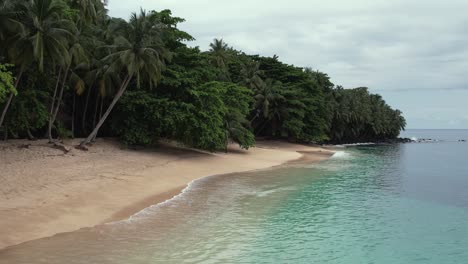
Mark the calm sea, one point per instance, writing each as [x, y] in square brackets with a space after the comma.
[394, 204]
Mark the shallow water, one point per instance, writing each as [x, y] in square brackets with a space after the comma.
[368, 204]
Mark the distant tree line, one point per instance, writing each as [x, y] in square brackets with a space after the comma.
[67, 69]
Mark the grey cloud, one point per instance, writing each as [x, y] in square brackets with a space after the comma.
[394, 46]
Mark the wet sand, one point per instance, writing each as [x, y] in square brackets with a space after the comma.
[44, 191]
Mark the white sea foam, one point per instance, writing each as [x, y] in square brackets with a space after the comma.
[359, 144]
[268, 192]
[150, 210]
[341, 155]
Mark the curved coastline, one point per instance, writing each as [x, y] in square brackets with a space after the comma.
[159, 200]
[144, 184]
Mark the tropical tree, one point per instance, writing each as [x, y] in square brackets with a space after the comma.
[89, 9]
[46, 36]
[204, 99]
[219, 51]
[49, 33]
[252, 76]
[237, 101]
[10, 13]
[78, 56]
[10, 32]
[138, 53]
[268, 101]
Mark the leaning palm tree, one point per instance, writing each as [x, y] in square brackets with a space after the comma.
[137, 53]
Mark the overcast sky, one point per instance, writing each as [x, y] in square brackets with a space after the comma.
[414, 53]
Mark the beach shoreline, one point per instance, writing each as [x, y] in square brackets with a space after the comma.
[44, 191]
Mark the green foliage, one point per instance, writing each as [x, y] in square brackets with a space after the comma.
[27, 113]
[139, 50]
[167, 89]
[361, 116]
[6, 82]
[47, 33]
[291, 103]
[202, 125]
[139, 118]
[237, 100]
[206, 117]
[147, 119]
[88, 9]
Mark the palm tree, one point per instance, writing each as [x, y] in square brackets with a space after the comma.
[9, 19]
[77, 56]
[89, 9]
[137, 53]
[50, 36]
[219, 51]
[49, 33]
[266, 96]
[97, 76]
[252, 76]
[46, 36]
[268, 102]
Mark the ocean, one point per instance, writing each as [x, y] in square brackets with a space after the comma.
[405, 203]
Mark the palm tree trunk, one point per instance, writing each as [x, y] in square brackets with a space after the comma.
[263, 127]
[64, 81]
[57, 106]
[100, 114]
[96, 104]
[226, 142]
[257, 113]
[83, 120]
[52, 107]
[5, 108]
[30, 135]
[273, 127]
[10, 98]
[73, 115]
[119, 94]
[102, 104]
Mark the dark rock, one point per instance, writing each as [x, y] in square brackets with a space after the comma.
[394, 141]
[373, 141]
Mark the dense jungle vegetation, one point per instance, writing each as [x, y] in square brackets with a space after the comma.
[67, 69]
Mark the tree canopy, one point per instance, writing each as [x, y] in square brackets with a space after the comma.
[67, 69]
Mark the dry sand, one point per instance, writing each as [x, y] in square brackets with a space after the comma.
[44, 191]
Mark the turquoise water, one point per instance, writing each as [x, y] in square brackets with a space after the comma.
[369, 204]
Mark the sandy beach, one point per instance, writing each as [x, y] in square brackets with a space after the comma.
[44, 191]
